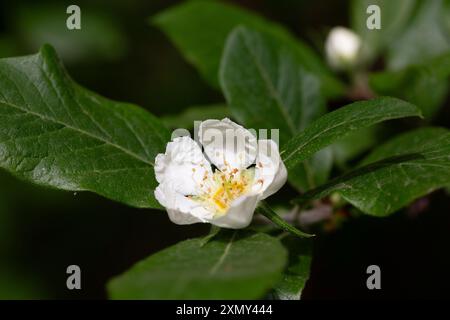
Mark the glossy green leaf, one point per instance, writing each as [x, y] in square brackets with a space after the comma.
[395, 16]
[187, 118]
[340, 123]
[297, 271]
[426, 85]
[266, 88]
[54, 132]
[232, 265]
[426, 36]
[405, 168]
[199, 30]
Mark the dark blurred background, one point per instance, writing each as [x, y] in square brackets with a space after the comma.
[125, 58]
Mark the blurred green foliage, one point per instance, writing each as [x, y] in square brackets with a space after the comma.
[100, 37]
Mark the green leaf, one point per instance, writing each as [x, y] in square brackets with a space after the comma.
[233, 265]
[199, 30]
[266, 88]
[340, 123]
[297, 272]
[187, 118]
[425, 85]
[55, 133]
[426, 36]
[405, 168]
[394, 18]
[266, 211]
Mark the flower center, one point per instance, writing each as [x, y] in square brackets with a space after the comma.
[219, 191]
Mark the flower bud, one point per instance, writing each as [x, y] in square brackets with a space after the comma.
[342, 48]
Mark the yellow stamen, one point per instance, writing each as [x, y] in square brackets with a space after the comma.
[225, 187]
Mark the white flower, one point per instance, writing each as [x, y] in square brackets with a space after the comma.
[342, 48]
[246, 171]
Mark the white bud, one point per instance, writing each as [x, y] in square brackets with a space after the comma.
[342, 48]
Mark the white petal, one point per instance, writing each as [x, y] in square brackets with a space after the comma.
[184, 163]
[240, 213]
[226, 142]
[180, 172]
[179, 217]
[270, 171]
[181, 210]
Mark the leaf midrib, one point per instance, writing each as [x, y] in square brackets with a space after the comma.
[49, 119]
[339, 185]
[270, 87]
[222, 258]
[314, 138]
[273, 92]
